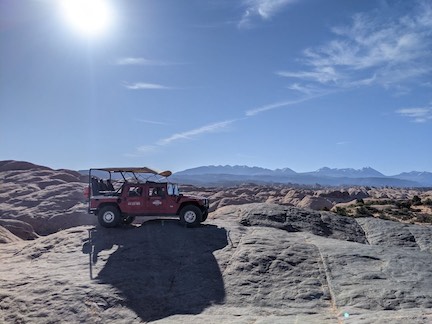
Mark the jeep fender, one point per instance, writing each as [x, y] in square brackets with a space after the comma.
[107, 204]
[187, 203]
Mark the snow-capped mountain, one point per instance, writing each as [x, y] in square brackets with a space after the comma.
[325, 176]
[367, 172]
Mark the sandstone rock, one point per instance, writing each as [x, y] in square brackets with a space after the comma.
[315, 203]
[7, 237]
[19, 165]
[46, 199]
[259, 263]
[19, 228]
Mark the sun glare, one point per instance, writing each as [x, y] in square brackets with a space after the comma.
[89, 17]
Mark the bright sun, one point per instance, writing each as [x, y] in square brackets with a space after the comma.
[89, 17]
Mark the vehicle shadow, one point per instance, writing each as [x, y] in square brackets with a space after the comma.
[160, 267]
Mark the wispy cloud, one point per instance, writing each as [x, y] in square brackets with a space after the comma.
[145, 86]
[186, 135]
[417, 115]
[153, 122]
[265, 108]
[142, 61]
[372, 50]
[261, 9]
[146, 148]
[190, 134]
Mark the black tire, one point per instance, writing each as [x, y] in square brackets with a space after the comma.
[109, 216]
[128, 220]
[190, 216]
[204, 216]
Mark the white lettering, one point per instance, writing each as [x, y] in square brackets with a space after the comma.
[157, 202]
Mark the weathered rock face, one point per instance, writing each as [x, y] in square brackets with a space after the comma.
[47, 200]
[259, 263]
[7, 237]
[19, 228]
[319, 199]
[315, 203]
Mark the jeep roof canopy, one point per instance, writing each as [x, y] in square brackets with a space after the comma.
[136, 170]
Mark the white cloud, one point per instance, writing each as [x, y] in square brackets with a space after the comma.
[418, 115]
[264, 9]
[141, 61]
[145, 86]
[258, 110]
[325, 74]
[211, 128]
[372, 49]
[153, 122]
[146, 148]
[186, 135]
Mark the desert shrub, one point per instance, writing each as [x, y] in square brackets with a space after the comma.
[424, 218]
[384, 216]
[362, 211]
[379, 202]
[416, 200]
[360, 201]
[326, 209]
[403, 204]
[341, 211]
[428, 202]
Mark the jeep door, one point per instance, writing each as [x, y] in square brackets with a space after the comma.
[134, 202]
[157, 203]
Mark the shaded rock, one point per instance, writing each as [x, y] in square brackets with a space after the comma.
[7, 237]
[293, 219]
[389, 233]
[19, 228]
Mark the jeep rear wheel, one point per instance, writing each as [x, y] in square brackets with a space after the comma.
[109, 216]
[190, 216]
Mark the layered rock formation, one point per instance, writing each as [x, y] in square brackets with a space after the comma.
[41, 198]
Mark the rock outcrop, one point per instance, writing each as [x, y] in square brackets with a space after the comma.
[46, 200]
[260, 263]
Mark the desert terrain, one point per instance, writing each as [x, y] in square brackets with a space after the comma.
[266, 254]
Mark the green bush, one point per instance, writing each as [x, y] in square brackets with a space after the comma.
[403, 204]
[360, 201]
[341, 211]
[416, 200]
[362, 211]
[424, 218]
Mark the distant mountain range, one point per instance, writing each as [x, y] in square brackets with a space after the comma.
[226, 175]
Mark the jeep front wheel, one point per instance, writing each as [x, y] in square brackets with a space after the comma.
[190, 216]
[109, 216]
[204, 216]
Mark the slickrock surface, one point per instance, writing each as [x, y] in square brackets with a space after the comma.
[41, 198]
[317, 199]
[255, 263]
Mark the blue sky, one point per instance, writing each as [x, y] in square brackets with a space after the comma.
[177, 84]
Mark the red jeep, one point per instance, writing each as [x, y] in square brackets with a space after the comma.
[117, 195]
